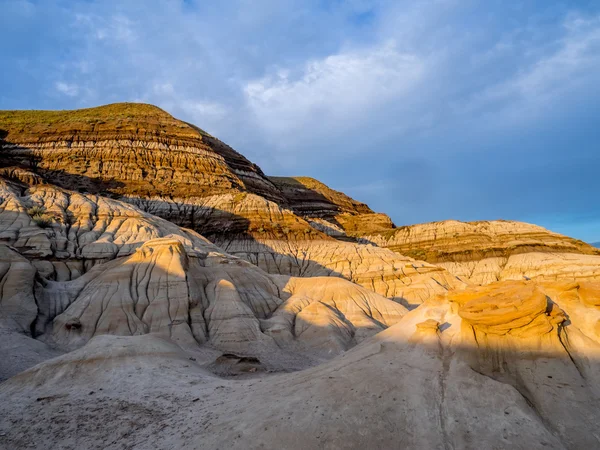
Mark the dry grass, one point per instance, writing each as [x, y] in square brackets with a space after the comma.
[89, 115]
[40, 217]
[117, 115]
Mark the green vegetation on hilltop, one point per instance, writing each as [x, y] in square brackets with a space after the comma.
[116, 115]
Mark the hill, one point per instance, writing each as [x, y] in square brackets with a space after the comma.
[155, 281]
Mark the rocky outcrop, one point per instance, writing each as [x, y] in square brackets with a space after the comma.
[81, 265]
[231, 216]
[126, 149]
[143, 155]
[65, 233]
[332, 209]
[483, 252]
[140, 154]
[400, 278]
[213, 299]
[491, 367]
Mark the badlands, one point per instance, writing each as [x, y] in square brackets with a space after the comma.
[158, 290]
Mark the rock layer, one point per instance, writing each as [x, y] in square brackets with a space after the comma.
[313, 200]
[483, 252]
[400, 278]
[126, 149]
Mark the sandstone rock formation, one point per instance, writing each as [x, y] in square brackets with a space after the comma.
[397, 277]
[172, 170]
[483, 252]
[333, 210]
[75, 266]
[65, 233]
[457, 372]
[120, 328]
[126, 149]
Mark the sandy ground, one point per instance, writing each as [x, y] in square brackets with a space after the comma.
[144, 392]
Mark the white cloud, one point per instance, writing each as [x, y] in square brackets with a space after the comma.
[579, 52]
[336, 88]
[529, 92]
[68, 89]
[205, 113]
[119, 29]
[166, 89]
[204, 109]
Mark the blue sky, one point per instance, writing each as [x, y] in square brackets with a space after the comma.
[425, 110]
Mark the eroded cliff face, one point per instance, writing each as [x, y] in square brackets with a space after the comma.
[74, 266]
[126, 149]
[483, 252]
[167, 168]
[140, 154]
[330, 211]
[403, 279]
[65, 234]
[170, 169]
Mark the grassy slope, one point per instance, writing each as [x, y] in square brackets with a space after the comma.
[25, 125]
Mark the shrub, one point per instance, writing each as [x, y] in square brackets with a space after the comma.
[36, 211]
[42, 221]
[39, 216]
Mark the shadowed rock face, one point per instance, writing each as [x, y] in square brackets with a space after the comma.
[330, 211]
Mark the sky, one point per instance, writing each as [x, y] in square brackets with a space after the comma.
[425, 110]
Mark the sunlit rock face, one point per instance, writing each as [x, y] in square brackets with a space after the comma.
[538, 341]
[126, 149]
[501, 366]
[403, 279]
[483, 252]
